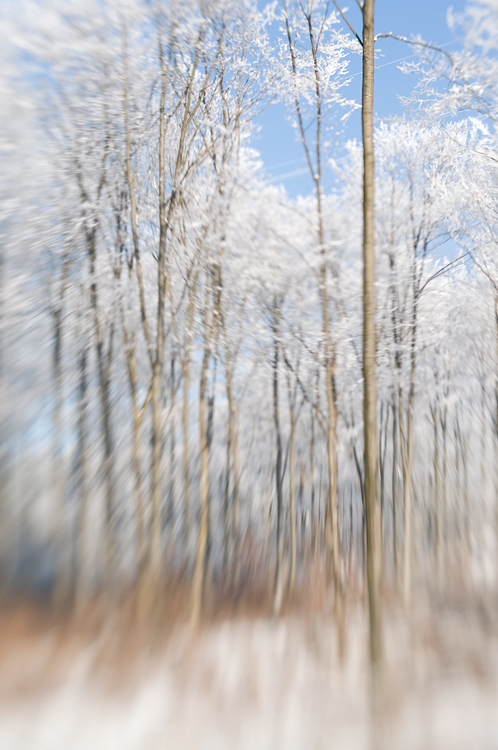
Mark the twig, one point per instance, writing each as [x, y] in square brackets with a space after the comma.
[347, 22]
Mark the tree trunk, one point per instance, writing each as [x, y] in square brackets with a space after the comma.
[202, 539]
[292, 497]
[279, 586]
[407, 458]
[187, 518]
[374, 539]
[445, 488]
[228, 509]
[200, 560]
[395, 487]
[496, 427]
[62, 581]
[82, 573]
[312, 480]
[439, 548]
[157, 365]
[406, 443]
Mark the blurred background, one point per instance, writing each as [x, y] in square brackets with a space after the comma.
[182, 495]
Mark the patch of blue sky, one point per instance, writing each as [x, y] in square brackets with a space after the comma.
[280, 149]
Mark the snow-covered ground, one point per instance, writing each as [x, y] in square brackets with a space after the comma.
[257, 684]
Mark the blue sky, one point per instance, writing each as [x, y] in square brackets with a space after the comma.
[283, 155]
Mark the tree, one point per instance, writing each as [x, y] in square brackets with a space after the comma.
[374, 538]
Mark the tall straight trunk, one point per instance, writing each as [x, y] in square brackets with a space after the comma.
[439, 548]
[227, 511]
[139, 498]
[463, 517]
[187, 519]
[496, 426]
[352, 551]
[303, 514]
[312, 480]
[200, 560]
[292, 498]
[481, 511]
[278, 587]
[157, 365]
[384, 424]
[374, 537]
[236, 498]
[198, 581]
[109, 480]
[468, 519]
[137, 417]
[209, 428]
[156, 525]
[331, 515]
[457, 497]
[62, 581]
[172, 460]
[186, 457]
[445, 530]
[406, 442]
[82, 573]
[395, 486]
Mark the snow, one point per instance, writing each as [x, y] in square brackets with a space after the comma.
[263, 684]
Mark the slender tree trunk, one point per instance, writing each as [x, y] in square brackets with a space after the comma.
[374, 537]
[137, 416]
[236, 530]
[109, 482]
[82, 587]
[292, 497]
[170, 515]
[463, 514]
[483, 464]
[209, 544]
[62, 581]
[200, 560]
[468, 519]
[139, 498]
[228, 509]
[406, 443]
[395, 487]
[439, 548]
[199, 578]
[332, 507]
[187, 519]
[384, 424]
[158, 363]
[302, 512]
[496, 428]
[312, 480]
[445, 487]
[279, 586]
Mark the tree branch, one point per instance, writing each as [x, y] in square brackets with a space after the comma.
[347, 22]
[390, 35]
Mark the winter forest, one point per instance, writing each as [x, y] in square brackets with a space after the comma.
[224, 406]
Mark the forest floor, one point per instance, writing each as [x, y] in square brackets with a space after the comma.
[250, 682]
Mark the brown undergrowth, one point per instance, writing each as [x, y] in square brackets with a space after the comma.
[39, 648]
